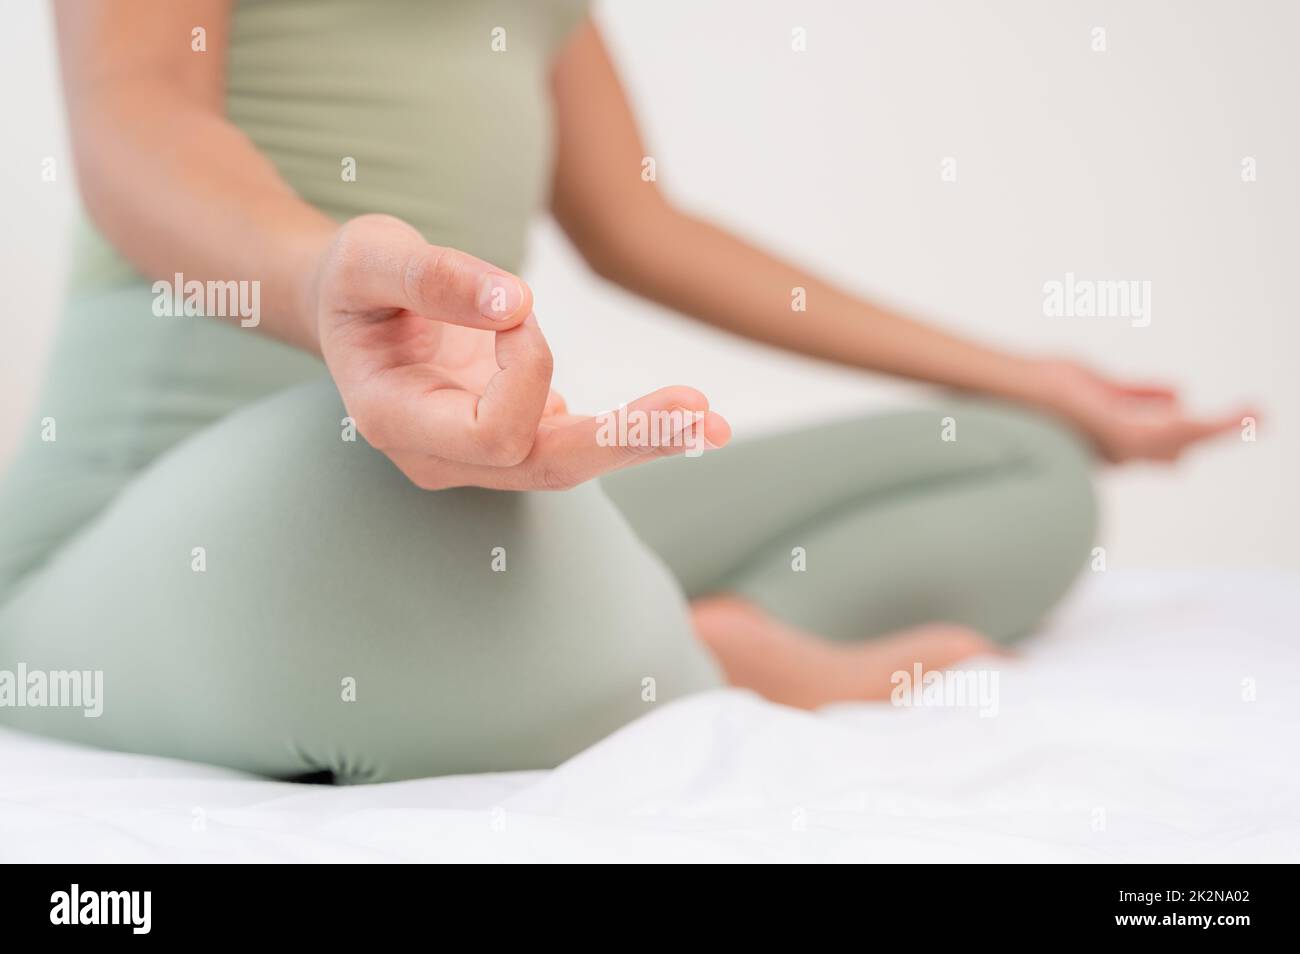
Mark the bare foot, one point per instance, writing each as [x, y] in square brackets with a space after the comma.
[796, 668]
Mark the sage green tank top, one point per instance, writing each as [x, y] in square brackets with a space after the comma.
[436, 111]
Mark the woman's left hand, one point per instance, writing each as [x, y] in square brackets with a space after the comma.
[1127, 421]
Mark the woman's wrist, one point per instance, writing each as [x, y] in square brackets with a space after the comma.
[305, 262]
[1047, 385]
[1032, 382]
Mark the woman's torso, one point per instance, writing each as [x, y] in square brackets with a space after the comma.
[436, 112]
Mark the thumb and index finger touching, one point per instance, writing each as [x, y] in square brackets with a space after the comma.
[384, 265]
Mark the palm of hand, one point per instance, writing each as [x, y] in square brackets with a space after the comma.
[1133, 422]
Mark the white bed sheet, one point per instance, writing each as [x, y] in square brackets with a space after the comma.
[1122, 734]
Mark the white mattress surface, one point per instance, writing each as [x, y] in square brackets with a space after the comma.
[1156, 719]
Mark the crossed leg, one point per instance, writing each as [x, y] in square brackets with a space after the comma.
[268, 596]
[821, 562]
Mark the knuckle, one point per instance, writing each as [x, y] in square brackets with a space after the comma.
[430, 270]
[689, 398]
[504, 448]
[347, 254]
[373, 221]
[353, 249]
[535, 361]
[620, 454]
[553, 478]
[415, 276]
[541, 353]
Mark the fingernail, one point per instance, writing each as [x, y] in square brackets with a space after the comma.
[499, 297]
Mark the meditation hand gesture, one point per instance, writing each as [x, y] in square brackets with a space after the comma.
[441, 363]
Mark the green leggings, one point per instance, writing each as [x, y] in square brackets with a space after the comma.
[268, 596]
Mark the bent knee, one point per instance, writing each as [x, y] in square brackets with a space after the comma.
[1057, 462]
[274, 596]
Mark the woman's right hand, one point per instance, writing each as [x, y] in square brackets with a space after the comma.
[454, 407]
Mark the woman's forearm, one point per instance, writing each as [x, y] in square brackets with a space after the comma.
[192, 194]
[703, 271]
[201, 201]
[630, 234]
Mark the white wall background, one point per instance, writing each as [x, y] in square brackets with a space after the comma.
[1117, 164]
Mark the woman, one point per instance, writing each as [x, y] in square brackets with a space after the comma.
[193, 518]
